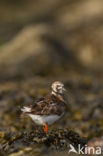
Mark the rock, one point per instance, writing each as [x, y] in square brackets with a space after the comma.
[33, 51]
[57, 139]
[64, 25]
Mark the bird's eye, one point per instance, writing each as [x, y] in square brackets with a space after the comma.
[58, 86]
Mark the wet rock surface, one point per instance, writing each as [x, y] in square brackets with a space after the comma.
[58, 139]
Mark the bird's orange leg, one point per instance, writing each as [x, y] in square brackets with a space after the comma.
[45, 127]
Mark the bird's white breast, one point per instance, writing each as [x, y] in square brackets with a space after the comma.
[42, 119]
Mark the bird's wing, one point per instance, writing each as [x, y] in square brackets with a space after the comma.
[47, 106]
[29, 108]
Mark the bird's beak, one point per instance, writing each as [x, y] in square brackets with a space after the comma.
[64, 89]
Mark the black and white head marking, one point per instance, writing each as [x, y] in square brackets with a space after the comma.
[57, 88]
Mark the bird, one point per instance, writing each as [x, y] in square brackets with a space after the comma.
[47, 110]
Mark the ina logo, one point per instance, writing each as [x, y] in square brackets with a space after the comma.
[85, 150]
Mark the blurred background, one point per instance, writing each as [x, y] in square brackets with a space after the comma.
[46, 40]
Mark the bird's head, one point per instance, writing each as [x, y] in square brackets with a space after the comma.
[58, 88]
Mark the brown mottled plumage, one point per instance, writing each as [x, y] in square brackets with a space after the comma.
[51, 104]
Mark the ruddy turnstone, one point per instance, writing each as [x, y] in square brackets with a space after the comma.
[46, 110]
